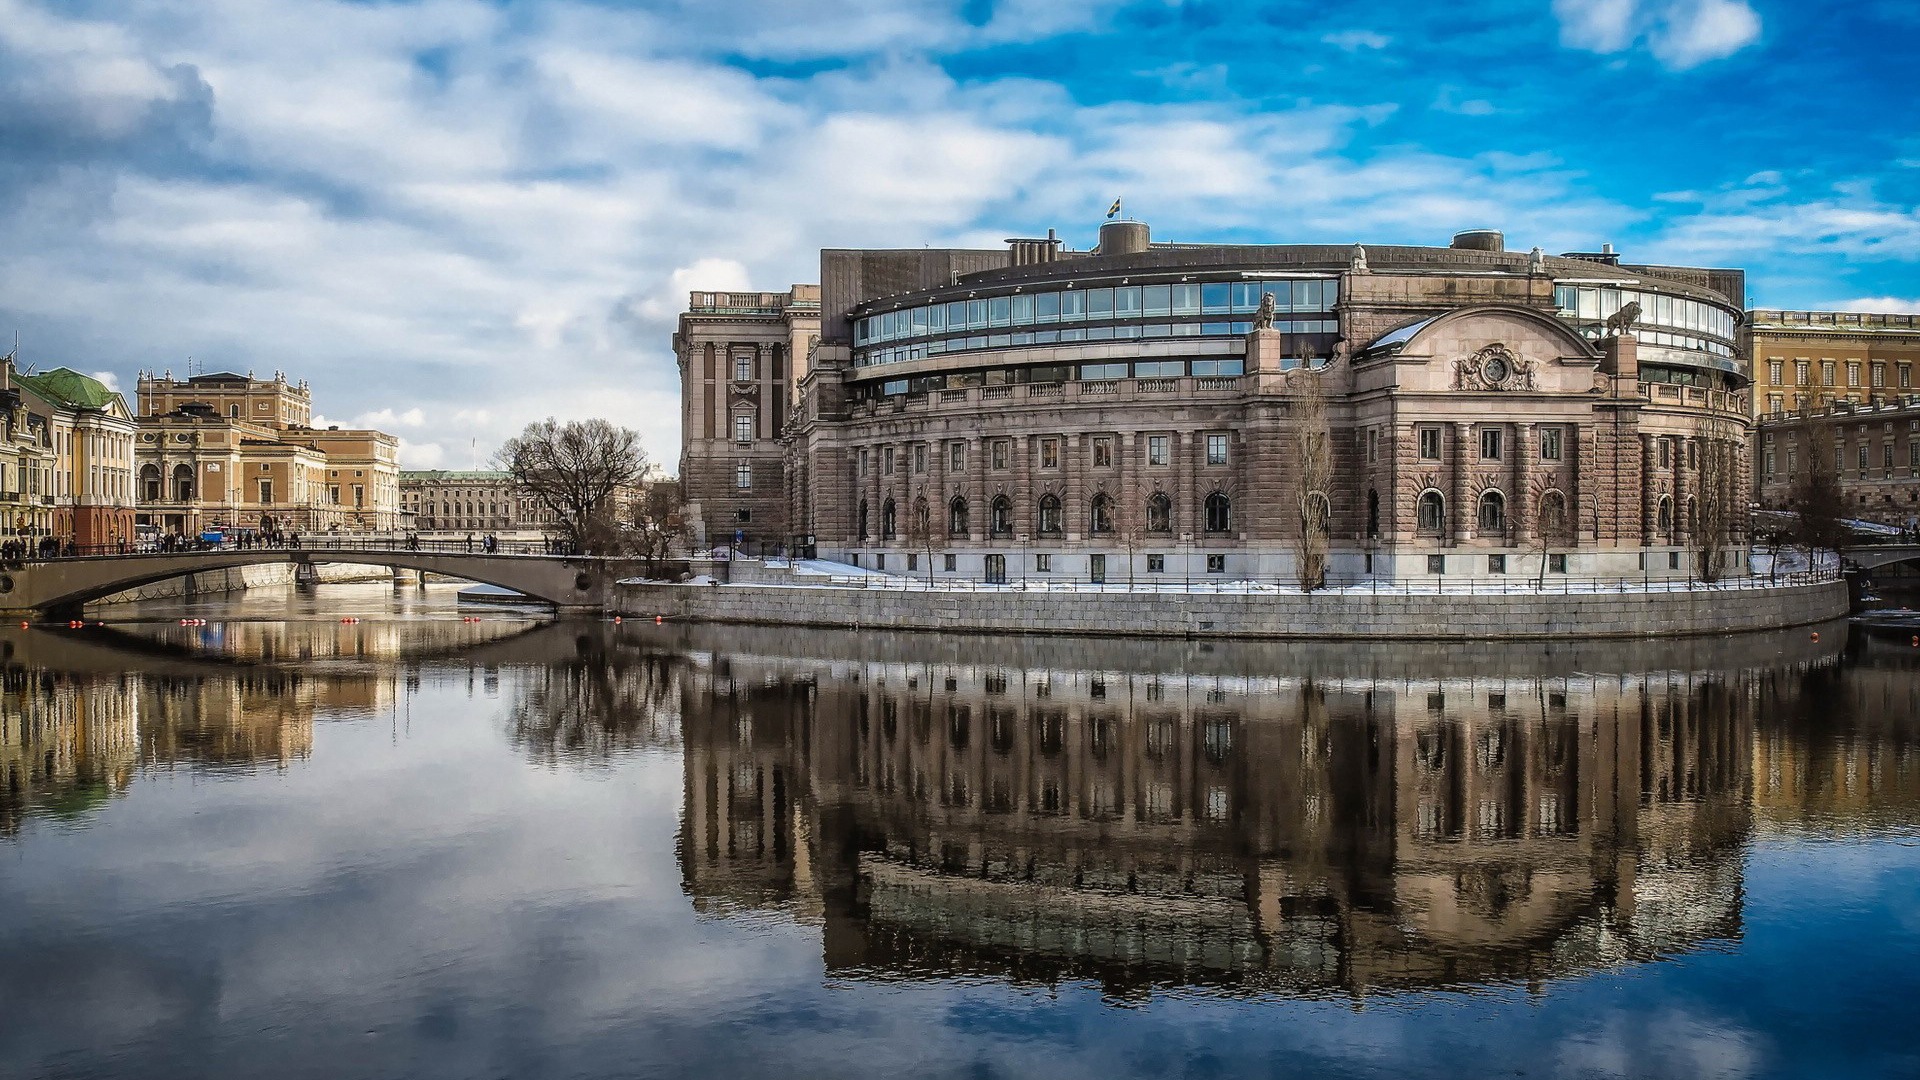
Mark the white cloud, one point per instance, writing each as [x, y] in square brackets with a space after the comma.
[107, 379]
[1886, 305]
[1680, 33]
[1355, 40]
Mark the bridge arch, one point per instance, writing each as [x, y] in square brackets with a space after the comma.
[565, 581]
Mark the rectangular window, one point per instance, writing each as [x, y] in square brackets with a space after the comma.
[863, 462]
[1043, 564]
[743, 516]
[1913, 452]
[1768, 470]
[1373, 444]
[1774, 371]
[1102, 451]
[1879, 376]
[743, 367]
[1156, 564]
[1557, 563]
[1673, 560]
[743, 476]
[1550, 444]
[1906, 376]
[1216, 564]
[1666, 453]
[920, 458]
[951, 563]
[743, 429]
[1800, 375]
[1049, 453]
[913, 561]
[1793, 462]
[1429, 444]
[1496, 564]
[1000, 454]
[1826, 373]
[1216, 449]
[1853, 375]
[957, 457]
[886, 457]
[1156, 449]
[1490, 444]
[1863, 458]
[1436, 564]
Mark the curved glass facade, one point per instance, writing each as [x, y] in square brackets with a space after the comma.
[1673, 321]
[1304, 306]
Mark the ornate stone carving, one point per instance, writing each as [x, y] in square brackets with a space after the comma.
[1263, 319]
[1495, 367]
[1536, 262]
[1621, 321]
[1358, 262]
[746, 392]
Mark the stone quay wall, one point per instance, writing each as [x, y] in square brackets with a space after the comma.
[1322, 616]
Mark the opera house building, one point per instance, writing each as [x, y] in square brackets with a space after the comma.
[1148, 408]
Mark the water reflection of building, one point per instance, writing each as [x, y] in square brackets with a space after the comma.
[1262, 832]
[251, 718]
[1865, 770]
[66, 745]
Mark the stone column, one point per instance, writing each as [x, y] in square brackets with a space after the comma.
[763, 378]
[1073, 473]
[1682, 476]
[1521, 501]
[1649, 490]
[979, 513]
[937, 495]
[1584, 478]
[1462, 456]
[1025, 509]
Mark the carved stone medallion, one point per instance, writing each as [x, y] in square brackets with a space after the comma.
[1493, 368]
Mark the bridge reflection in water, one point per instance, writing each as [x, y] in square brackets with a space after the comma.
[1204, 824]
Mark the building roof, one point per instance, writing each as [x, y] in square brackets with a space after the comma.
[69, 386]
[427, 475]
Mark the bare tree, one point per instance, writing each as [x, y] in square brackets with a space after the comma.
[1819, 506]
[1313, 455]
[576, 470]
[1554, 524]
[920, 530]
[1714, 500]
[657, 520]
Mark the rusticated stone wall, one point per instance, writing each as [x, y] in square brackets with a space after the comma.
[1325, 616]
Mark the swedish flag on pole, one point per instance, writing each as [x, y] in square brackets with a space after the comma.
[1114, 210]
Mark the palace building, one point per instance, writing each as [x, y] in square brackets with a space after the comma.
[1198, 410]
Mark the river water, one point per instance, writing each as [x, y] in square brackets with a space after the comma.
[286, 845]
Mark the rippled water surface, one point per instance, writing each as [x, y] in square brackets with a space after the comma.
[285, 845]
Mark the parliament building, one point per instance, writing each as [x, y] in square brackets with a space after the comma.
[1191, 410]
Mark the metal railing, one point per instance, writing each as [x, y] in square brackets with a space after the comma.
[33, 549]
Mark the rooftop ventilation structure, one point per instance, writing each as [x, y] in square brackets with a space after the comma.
[1480, 240]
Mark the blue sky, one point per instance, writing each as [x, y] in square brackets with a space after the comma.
[455, 216]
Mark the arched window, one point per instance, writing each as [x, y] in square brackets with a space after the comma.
[1000, 516]
[1219, 513]
[957, 517]
[150, 482]
[1493, 512]
[1373, 513]
[1553, 516]
[886, 520]
[1664, 517]
[182, 483]
[1159, 513]
[1049, 524]
[863, 519]
[1432, 516]
[1100, 516]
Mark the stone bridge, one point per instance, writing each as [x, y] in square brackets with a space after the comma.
[1878, 555]
[57, 587]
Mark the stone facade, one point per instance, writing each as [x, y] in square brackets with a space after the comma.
[1872, 452]
[1134, 410]
[740, 356]
[88, 483]
[476, 501]
[233, 452]
[1813, 359]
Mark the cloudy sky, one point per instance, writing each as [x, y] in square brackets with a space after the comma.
[455, 216]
